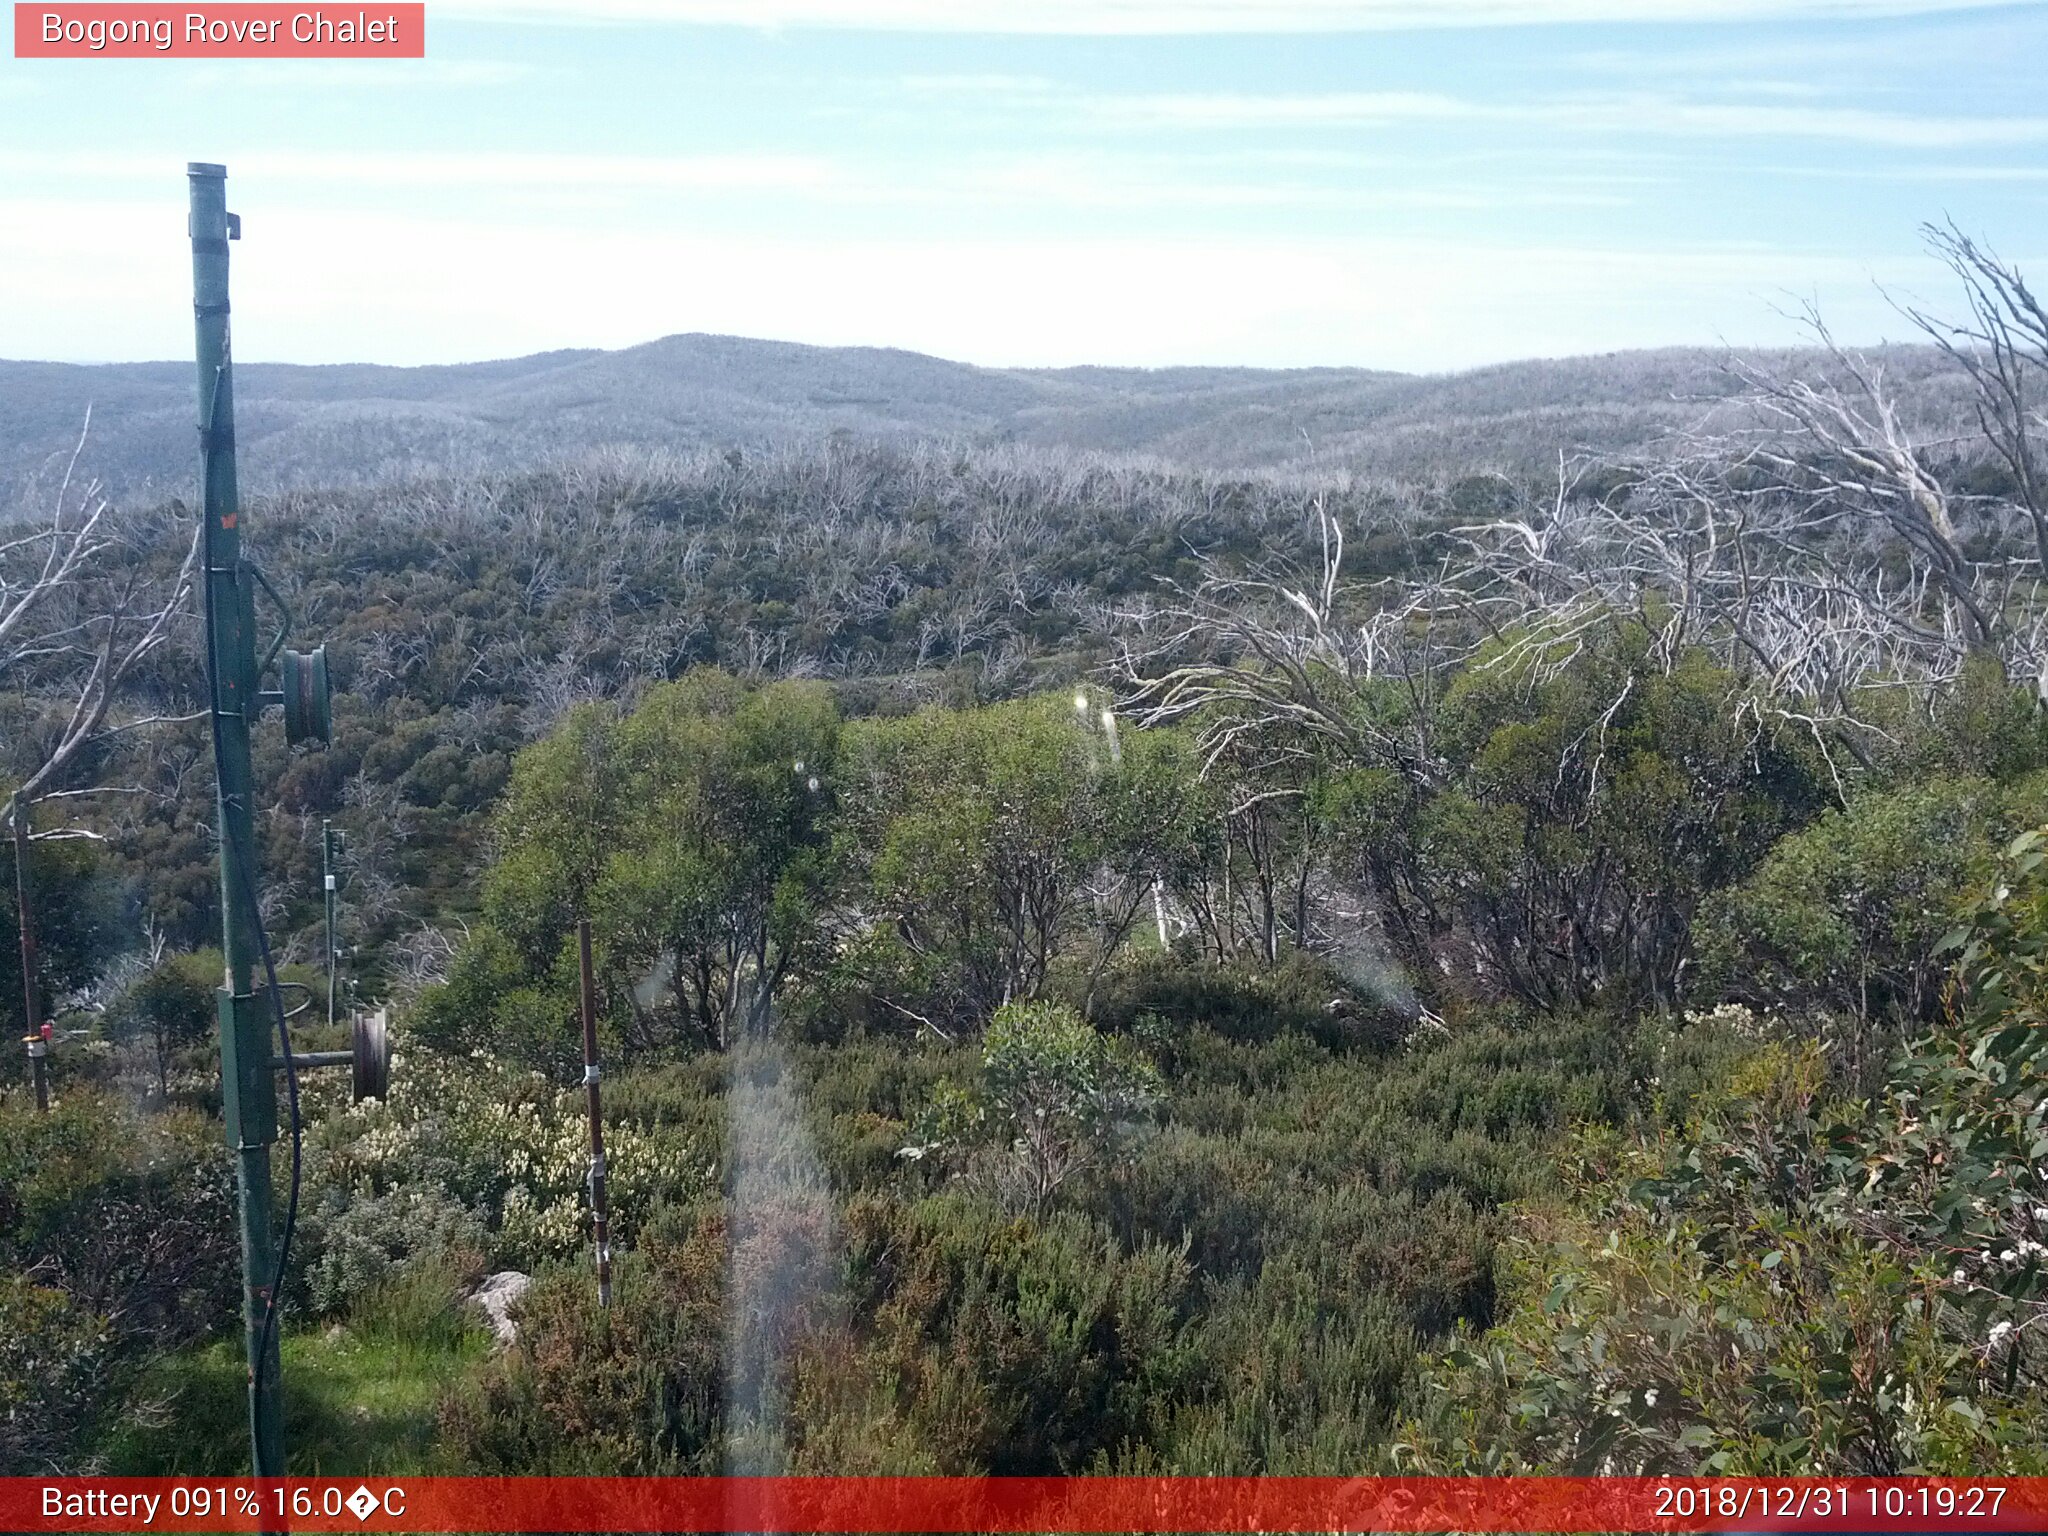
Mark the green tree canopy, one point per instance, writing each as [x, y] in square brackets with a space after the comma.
[80, 923]
[695, 835]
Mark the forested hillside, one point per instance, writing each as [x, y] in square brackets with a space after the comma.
[1101, 967]
[306, 427]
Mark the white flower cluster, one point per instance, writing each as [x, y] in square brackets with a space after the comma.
[1743, 1022]
[511, 1148]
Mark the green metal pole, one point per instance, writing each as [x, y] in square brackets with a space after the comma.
[249, 1092]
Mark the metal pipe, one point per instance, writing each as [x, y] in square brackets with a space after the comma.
[249, 1093]
[591, 1074]
[304, 1059]
[38, 1066]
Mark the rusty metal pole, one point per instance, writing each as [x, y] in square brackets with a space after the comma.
[601, 1226]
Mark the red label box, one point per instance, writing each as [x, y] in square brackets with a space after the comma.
[1161, 1506]
[375, 30]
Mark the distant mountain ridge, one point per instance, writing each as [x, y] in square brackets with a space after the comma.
[351, 424]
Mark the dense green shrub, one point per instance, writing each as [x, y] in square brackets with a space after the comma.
[988, 847]
[1054, 1098]
[638, 1387]
[80, 926]
[352, 1243]
[1594, 805]
[1018, 1347]
[117, 1232]
[502, 1144]
[58, 1361]
[1290, 1381]
[693, 832]
[1798, 1285]
[1845, 915]
[1303, 995]
[1981, 725]
[131, 1215]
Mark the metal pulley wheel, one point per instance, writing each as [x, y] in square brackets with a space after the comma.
[308, 709]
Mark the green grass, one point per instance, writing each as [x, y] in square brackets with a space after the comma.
[354, 1404]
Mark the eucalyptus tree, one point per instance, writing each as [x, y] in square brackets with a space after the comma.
[992, 848]
[694, 832]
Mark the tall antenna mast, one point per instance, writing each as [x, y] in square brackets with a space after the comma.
[249, 1092]
[234, 675]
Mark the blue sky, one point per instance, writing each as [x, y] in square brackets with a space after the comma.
[1416, 184]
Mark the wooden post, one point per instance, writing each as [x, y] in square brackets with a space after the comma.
[25, 919]
[591, 1074]
[25, 927]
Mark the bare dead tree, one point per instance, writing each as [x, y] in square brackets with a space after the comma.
[420, 958]
[1776, 546]
[2003, 348]
[1707, 553]
[1291, 647]
[1278, 669]
[79, 615]
[80, 612]
[1848, 449]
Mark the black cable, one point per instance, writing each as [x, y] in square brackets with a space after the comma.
[291, 1078]
[248, 895]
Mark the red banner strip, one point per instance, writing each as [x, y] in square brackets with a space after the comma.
[1082, 1504]
[376, 30]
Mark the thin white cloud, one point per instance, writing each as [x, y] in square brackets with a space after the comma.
[457, 170]
[1662, 115]
[1337, 109]
[1939, 174]
[507, 183]
[1105, 182]
[1737, 108]
[1848, 124]
[1971, 45]
[1011, 86]
[300, 75]
[1178, 17]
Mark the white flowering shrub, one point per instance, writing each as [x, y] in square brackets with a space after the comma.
[1738, 1020]
[506, 1147]
[353, 1242]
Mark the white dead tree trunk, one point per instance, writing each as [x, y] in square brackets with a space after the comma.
[2003, 348]
[1778, 548]
[80, 611]
[1288, 648]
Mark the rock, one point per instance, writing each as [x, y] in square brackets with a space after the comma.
[496, 1294]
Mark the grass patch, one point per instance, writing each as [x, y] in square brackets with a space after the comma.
[356, 1403]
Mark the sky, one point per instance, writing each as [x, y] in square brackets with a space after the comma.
[1425, 185]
